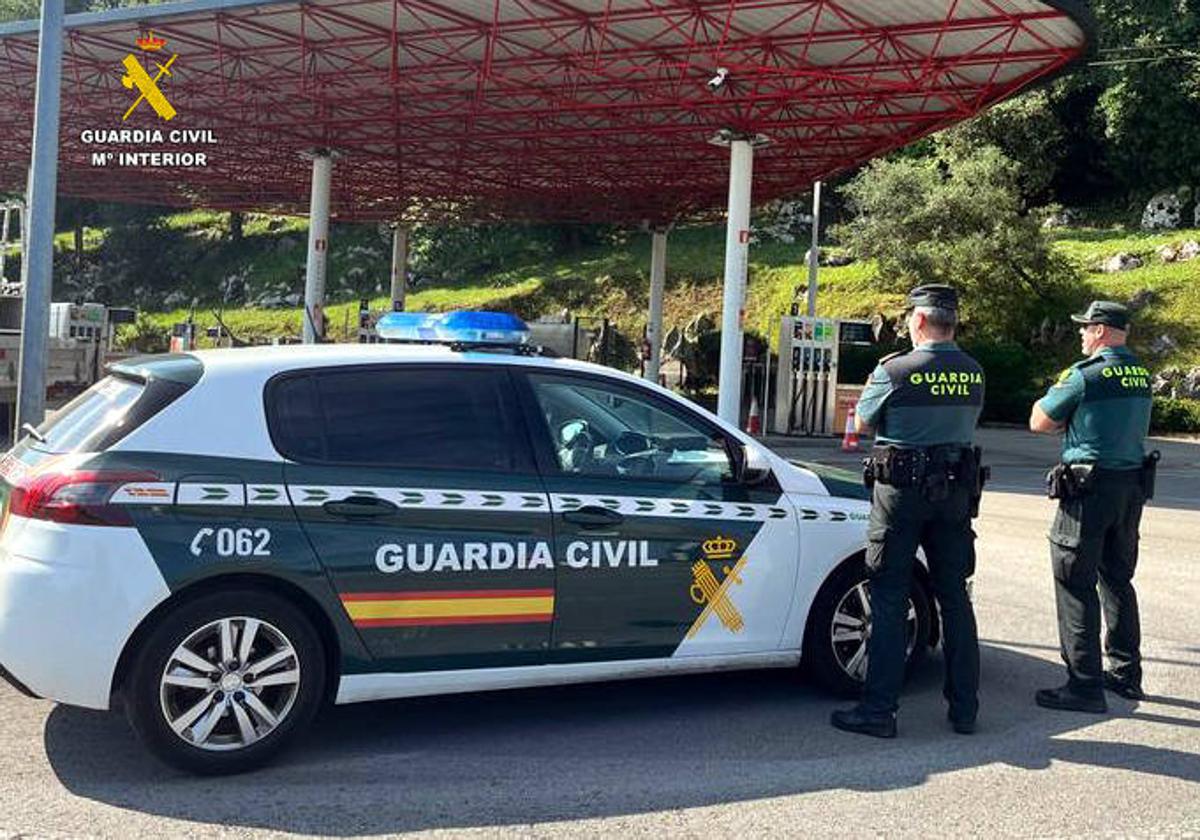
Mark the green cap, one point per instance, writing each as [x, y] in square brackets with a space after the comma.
[1106, 312]
[934, 294]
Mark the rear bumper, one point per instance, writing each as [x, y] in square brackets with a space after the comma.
[64, 620]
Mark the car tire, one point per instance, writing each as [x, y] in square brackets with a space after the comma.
[828, 661]
[241, 714]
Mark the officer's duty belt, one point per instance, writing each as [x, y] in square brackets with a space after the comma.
[1072, 481]
[902, 466]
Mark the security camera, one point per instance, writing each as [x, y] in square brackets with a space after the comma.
[718, 81]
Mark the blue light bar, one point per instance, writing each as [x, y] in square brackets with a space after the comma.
[454, 327]
[407, 326]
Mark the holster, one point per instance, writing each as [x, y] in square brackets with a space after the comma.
[894, 466]
[868, 473]
[1150, 473]
[976, 475]
[1069, 481]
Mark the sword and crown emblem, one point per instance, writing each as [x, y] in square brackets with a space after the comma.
[150, 42]
[713, 594]
[136, 76]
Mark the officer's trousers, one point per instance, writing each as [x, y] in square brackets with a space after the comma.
[901, 519]
[1094, 539]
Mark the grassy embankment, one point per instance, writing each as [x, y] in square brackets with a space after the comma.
[612, 280]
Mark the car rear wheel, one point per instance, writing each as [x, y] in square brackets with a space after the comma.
[839, 627]
[226, 682]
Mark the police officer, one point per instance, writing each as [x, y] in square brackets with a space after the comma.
[1103, 403]
[923, 406]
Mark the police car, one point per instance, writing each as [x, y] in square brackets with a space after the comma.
[222, 541]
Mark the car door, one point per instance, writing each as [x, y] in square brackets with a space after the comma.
[418, 491]
[659, 550]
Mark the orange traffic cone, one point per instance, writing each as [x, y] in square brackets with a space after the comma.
[850, 438]
[754, 421]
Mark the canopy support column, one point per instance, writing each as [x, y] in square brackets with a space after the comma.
[37, 242]
[318, 247]
[814, 252]
[399, 266]
[658, 279]
[737, 253]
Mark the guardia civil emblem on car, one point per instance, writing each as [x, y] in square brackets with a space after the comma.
[226, 540]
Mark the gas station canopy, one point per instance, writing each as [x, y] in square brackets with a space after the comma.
[590, 110]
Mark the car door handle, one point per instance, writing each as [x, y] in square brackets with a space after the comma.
[593, 516]
[360, 507]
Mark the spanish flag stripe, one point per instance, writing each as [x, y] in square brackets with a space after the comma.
[531, 618]
[444, 607]
[443, 594]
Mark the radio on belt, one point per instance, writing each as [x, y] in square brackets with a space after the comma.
[500, 328]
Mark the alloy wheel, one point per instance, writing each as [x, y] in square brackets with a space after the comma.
[230, 684]
[851, 631]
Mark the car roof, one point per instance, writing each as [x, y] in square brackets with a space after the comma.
[266, 361]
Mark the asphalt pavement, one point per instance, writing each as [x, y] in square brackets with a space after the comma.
[743, 754]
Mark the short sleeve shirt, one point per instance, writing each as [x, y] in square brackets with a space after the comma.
[870, 404]
[1064, 396]
[1105, 403]
[930, 396]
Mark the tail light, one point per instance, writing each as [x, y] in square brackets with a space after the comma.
[75, 497]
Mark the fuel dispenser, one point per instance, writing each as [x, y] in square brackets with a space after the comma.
[806, 385]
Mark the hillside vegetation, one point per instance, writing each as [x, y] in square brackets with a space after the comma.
[611, 280]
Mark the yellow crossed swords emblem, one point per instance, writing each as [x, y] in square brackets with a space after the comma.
[712, 594]
[136, 76]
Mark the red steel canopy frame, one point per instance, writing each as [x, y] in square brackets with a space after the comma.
[587, 110]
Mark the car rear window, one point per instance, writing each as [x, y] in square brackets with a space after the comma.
[113, 407]
[407, 417]
[96, 413]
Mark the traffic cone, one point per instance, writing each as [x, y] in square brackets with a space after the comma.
[754, 421]
[850, 438]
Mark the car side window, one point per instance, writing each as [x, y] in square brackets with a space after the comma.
[605, 429]
[405, 417]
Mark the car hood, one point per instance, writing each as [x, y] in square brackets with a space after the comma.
[837, 482]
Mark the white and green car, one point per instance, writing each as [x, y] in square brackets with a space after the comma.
[222, 541]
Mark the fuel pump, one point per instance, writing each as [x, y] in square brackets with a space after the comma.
[806, 389]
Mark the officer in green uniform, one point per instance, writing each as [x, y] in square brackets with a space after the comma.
[1103, 404]
[923, 406]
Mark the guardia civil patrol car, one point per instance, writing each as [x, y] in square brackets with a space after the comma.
[222, 541]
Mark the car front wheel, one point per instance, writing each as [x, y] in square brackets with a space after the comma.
[226, 682]
[839, 628]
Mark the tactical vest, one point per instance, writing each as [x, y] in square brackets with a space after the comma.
[1111, 422]
[936, 397]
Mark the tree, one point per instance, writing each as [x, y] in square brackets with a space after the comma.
[1028, 130]
[32, 9]
[1150, 102]
[959, 218]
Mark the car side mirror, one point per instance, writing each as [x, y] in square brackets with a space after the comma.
[755, 466]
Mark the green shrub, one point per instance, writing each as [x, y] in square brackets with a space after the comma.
[1013, 379]
[1175, 415]
[961, 219]
[143, 336]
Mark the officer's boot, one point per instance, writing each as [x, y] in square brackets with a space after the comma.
[1070, 699]
[1127, 688]
[863, 722]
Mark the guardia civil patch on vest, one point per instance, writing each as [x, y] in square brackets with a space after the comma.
[948, 377]
[1108, 378]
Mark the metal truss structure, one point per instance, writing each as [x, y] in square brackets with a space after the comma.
[588, 110]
